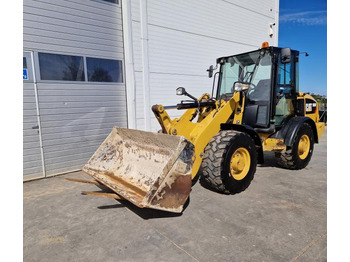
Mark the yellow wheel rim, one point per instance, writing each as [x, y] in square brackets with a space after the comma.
[240, 163]
[304, 146]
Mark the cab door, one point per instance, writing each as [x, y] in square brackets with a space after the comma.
[33, 162]
[285, 90]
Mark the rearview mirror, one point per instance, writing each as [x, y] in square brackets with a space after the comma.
[210, 71]
[180, 91]
[285, 55]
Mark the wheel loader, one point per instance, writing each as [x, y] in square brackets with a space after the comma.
[255, 106]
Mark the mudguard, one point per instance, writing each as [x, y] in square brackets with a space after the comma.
[290, 129]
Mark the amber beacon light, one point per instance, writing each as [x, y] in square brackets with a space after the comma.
[265, 44]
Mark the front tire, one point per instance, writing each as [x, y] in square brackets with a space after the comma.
[229, 162]
[299, 155]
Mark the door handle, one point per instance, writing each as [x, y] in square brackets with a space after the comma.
[35, 127]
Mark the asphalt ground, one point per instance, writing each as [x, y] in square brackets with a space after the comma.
[281, 216]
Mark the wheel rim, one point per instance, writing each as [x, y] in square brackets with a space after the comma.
[240, 163]
[304, 146]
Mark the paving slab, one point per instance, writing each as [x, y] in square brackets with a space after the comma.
[281, 216]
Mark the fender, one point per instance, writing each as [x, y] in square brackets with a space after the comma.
[289, 130]
[250, 131]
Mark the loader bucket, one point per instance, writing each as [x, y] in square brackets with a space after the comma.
[151, 170]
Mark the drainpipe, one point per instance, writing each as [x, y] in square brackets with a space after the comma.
[129, 64]
[38, 115]
[145, 64]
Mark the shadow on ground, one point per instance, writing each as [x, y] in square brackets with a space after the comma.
[145, 213]
[269, 160]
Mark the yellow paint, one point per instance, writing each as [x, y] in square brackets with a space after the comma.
[320, 126]
[315, 116]
[238, 116]
[240, 163]
[320, 129]
[200, 132]
[273, 144]
[304, 146]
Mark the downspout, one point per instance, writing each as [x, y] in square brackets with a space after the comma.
[38, 115]
[129, 64]
[145, 64]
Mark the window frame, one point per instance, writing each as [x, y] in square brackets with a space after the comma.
[30, 69]
[85, 82]
[119, 62]
[39, 77]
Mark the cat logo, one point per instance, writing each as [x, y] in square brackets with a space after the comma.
[310, 107]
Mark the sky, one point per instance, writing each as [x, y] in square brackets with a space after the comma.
[303, 27]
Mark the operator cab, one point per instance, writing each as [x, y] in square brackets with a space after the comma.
[269, 79]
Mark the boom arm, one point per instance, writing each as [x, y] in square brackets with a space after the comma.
[208, 124]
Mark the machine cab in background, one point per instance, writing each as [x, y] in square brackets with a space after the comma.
[271, 75]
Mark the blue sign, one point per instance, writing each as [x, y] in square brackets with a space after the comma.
[25, 74]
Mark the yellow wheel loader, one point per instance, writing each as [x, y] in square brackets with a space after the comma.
[257, 107]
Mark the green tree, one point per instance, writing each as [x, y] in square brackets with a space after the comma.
[320, 98]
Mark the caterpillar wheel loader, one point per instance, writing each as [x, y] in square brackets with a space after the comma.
[257, 107]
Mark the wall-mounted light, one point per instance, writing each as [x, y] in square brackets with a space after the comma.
[304, 53]
[271, 25]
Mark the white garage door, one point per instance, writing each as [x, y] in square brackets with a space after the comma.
[78, 53]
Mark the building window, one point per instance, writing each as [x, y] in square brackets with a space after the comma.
[104, 70]
[112, 1]
[24, 63]
[61, 67]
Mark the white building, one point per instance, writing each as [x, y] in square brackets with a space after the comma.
[89, 65]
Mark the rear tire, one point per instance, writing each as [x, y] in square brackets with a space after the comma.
[299, 155]
[229, 162]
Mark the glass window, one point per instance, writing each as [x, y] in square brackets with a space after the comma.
[104, 70]
[284, 74]
[297, 76]
[61, 67]
[236, 68]
[263, 70]
[253, 68]
[24, 62]
[284, 92]
[230, 74]
[261, 80]
[112, 1]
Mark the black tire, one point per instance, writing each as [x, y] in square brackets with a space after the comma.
[217, 157]
[290, 158]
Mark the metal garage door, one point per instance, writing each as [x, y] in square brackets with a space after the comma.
[76, 116]
[79, 66]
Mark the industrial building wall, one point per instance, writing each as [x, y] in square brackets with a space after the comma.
[75, 114]
[173, 43]
[178, 40]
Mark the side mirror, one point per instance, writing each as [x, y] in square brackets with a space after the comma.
[180, 91]
[285, 55]
[210, 71]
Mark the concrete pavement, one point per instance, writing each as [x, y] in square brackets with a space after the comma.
[282, 216]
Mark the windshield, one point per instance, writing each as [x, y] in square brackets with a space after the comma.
[253, 68]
